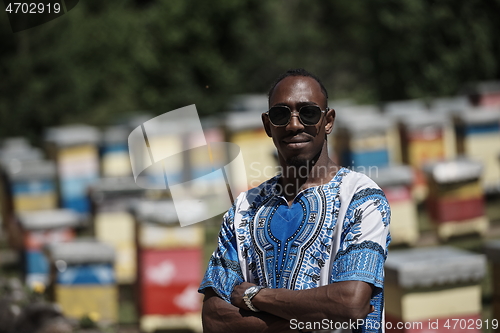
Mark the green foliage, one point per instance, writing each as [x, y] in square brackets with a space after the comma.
[103, 60]
[432, 47]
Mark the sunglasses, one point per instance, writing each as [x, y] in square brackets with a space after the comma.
[309, 115]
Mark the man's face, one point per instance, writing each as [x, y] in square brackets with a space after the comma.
[298, 144]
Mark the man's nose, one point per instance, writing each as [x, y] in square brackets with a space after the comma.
[294, 123]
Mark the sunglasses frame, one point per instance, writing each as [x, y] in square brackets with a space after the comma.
[298, 116]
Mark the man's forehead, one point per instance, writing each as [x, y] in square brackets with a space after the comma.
[297, 87]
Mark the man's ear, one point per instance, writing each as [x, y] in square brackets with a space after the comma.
[267, 124]
[330, 120]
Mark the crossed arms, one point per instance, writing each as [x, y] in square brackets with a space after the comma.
[340, 301]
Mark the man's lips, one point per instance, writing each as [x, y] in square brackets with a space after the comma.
[296, 142]
[297, 139]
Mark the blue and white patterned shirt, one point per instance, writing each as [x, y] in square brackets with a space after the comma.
[334, 232]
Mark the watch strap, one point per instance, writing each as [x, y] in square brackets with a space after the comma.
[249, 294]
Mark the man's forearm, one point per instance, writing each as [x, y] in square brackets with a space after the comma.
[221, 317]
[340, 301]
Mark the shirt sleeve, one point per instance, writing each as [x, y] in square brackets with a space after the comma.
[364, 239]
[224, 271]
[363, 247]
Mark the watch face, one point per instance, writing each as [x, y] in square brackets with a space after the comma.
[249, 293]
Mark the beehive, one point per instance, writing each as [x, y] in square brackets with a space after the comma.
[115, 160]
[478, 132]
[114, 223]
[40, 228]
[424, 138]
[14, 153]
[169, 267]
[74, 148]
[364, 141]
[456, 201]
[433, 286]
[83, 279]
[32, 185]
[396, 182]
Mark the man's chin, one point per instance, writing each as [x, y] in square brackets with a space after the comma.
[297, 161]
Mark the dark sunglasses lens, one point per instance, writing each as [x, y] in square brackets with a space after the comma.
[279, 115]
[310, 115]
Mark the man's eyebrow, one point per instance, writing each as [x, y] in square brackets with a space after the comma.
[299, 104]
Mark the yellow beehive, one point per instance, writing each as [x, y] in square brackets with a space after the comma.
[83, 280]
[32, 185]
[114, 224]
[257, 149]
[115, 159]
[428, 284]
[479, 138]
[118, 230]
[80, 300]
[158, 227]
[151, 323]
[13, 154]
[396, 183]
[429, 303]
[74, 148]
[35, 202]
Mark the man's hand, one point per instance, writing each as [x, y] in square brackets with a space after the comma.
[237, 295]
[221, 317]
[347, 300]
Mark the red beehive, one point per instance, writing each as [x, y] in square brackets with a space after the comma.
[456, 201]
[170, 280]
[169, 268]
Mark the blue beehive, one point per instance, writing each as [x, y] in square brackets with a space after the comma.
[115, 160]
[13, 152]
[84, 279]
[39, 228]
[364, 140]
[32, 185]
[74, 148]
[82, 261]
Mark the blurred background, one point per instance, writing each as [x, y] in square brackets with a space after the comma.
[417, 93]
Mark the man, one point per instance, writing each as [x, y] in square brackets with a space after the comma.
[304, 250]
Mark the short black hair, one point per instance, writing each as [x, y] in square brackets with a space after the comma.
[297, 72]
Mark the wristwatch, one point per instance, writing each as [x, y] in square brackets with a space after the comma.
[249, 294]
